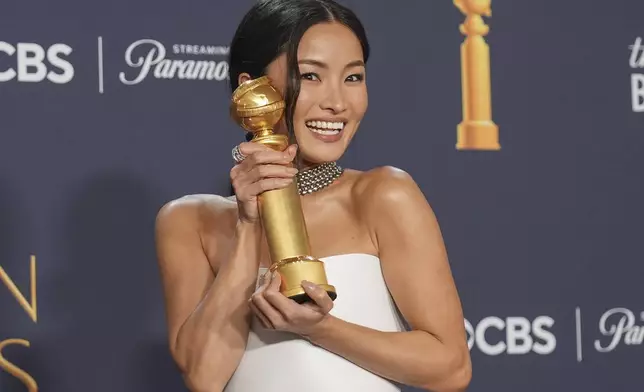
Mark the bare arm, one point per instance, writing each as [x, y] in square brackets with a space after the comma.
[207, 314]
[207, 307]
[434, 355]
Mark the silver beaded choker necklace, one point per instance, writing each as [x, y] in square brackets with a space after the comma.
[318, 177]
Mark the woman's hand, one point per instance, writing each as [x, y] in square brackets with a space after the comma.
[275, 311]
[263, 169]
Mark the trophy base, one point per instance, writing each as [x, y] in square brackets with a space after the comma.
[478, 135]
[295, 270]
[300, 296]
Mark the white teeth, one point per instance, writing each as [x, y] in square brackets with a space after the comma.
[325, 132]
[320, 125]
[325, 127]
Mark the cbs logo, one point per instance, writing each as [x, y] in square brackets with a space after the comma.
[512, 335]
[29, 63]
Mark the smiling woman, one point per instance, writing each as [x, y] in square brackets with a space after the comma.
[230, 328]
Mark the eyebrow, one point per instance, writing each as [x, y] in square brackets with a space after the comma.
[356, 63]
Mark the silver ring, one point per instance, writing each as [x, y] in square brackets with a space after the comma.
[238, 157]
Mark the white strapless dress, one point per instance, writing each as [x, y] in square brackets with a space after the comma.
[277, 361]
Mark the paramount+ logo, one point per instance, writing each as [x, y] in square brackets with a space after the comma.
[149, 57]
[512, 335]
[28, 62]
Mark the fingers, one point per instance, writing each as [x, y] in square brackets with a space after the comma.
[263, 170]
[258, 154]
[249, 148]
[277, 300]
[273, 316]
[263, 186]
[268, 155]
[259, 173]
[275, 311]
[264, 158]
[260, 316]
[275, 282]
[318, 295]
[258, 313]
[269, 171]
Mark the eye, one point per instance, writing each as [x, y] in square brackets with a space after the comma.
[356, 78]
[310, 76]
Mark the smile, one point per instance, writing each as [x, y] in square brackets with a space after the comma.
[325, 127]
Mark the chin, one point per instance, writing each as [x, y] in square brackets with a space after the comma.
[323, 145]
[319, 152]
[317, 158]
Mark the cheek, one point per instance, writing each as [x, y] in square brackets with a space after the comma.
[277, 73]
[359, 100]
[305, 101]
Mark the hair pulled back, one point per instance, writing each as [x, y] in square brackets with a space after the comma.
[273, 27]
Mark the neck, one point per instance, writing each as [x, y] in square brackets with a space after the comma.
[313, 177]
[305, 165]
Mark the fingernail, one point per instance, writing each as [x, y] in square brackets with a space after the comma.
[275, 275]
[292, 170]
[308, 285]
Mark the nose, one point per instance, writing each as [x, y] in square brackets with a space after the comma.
[334, 99]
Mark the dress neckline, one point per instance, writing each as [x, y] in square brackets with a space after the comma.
[349, 254]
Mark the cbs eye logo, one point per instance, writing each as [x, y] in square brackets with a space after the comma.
[512, 335]
[30, 62]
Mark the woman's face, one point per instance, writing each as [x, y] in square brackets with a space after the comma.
[333, 93]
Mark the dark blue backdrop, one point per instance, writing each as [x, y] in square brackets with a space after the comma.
[544, 236]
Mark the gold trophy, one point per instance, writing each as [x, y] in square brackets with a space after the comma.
[257, 106]
[477, 131]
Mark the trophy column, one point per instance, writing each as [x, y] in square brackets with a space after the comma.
[257, 106]
[477, 131]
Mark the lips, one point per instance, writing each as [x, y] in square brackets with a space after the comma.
[325, 128]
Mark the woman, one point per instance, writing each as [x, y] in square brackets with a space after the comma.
[374, 230]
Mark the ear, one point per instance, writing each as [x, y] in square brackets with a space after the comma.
[243, 77]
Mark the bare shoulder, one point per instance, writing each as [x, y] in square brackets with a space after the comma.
[387, 200]
[198, 224]
[193, 211]
[386, 187]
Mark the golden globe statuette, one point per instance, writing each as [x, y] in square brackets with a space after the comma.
[257, 106]
[477, 131]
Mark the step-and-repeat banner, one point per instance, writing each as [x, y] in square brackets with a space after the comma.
[110, 109]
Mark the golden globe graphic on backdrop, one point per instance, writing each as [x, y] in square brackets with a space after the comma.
[477, 131]
[31, 309]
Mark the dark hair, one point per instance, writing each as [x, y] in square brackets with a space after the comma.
[273, 27]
